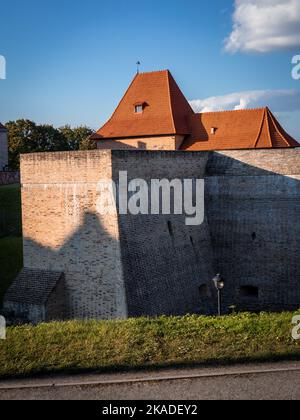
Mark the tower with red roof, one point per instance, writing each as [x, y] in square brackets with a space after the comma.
[155, 115]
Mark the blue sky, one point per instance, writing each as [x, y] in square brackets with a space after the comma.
[69, 62]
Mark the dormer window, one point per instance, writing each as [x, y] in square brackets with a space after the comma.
[138, 109]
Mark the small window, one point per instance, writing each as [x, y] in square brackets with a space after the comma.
[203, 290]
[213, 130]
[139, 109]
[249, 291]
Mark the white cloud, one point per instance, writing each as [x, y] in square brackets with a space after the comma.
[264, 26]
[277, 100]
[284, 103]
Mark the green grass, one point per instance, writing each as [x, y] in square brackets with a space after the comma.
[146, 343]
[135, 343]
[11, 256]
[11, 262]
[10, 210]
[10, 198]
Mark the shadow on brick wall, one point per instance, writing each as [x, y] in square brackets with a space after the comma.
[251, 235]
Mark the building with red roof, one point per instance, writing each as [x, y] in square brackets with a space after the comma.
[155, 115]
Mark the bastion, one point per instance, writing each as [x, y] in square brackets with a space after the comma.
[82, 264]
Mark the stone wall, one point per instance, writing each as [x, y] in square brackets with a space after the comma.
[55, 307]
[164, 261]
[28, 313]
[8, 178]
[253, 207]
[63, 232]
[117, 265]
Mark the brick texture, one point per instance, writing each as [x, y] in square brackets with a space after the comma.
[117, 266]
[253, 206]
[143, 143]
[63, 232]
[37, 295]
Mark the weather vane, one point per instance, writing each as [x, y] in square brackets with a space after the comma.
[138, 67]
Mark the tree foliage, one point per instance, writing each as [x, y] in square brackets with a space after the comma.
[25, 136]
[76, 136]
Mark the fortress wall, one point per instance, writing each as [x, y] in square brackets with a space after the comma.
[253, 207]
[254, 162]
[165, 262]
[63, 232]
[119, 265]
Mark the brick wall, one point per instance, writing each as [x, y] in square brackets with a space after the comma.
[7, 178]
[63, 232]
[25, 312]
[253, 206]
[165, 262]
[55, 307]
[147, 265]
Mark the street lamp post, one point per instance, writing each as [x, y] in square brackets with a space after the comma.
[219, 285]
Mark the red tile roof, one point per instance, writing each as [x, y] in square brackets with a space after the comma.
[167, 112]
[244, 129]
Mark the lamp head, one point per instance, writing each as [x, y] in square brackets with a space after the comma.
[219, 282]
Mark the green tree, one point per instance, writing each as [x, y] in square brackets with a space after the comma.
[20, 140]
[78, 138]
[49, 139]
[25, 136]
[88, 144]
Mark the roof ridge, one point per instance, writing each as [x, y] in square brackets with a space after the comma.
[156, 87]
[260, 129]
[119, 104]
[268, 126]
[273, 120]
[154, 71]
[170, 100]
[232, 110]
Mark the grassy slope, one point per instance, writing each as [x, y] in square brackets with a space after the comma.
[140, 343]
[10, 197]
[11, 258]
[10, 203]
[107, 345]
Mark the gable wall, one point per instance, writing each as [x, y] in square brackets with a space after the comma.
[143, 143]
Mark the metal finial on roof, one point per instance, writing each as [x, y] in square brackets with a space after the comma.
[138, 67]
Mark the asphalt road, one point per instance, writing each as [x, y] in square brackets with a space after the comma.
[280, 381]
